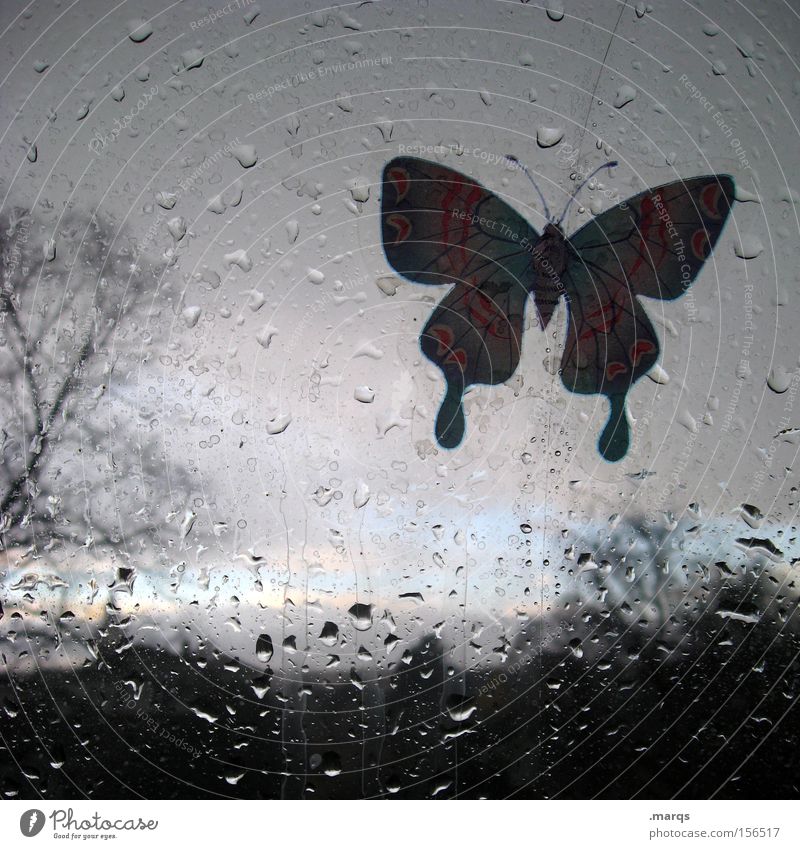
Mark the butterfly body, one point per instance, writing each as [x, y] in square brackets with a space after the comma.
[549, 261]
[441, 227]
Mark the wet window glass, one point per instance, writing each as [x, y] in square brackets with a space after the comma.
[398, 400]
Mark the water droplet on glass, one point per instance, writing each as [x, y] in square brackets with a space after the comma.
[245, 155]
[264, 336]
[166, 200]
[361, 616]
[364, 394]
[361, 495]
[239, 258]
[748, 246]
[192, 58]
[264, 648]
[279, 423]
[555, 9]
[549, 136]
[625, 94]
[139, 30]
[177, 227]
[329, 635]
[191, 315]
[779, 379]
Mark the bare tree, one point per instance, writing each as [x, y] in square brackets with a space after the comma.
[68, 312]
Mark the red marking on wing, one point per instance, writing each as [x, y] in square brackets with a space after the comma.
[459, 356]
[401, 182]
[639, 349]
[709, 201]
[482, 309]
[456, 227]
[444, 337]
[603, 319]
[701, 247]
[401, 224]
[486, 314]
[615, 369]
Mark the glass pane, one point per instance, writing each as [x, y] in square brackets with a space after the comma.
[398, 400]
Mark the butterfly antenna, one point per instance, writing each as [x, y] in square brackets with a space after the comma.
[575, 193]
[527, 173]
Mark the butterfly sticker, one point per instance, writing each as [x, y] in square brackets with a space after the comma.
[442, 227]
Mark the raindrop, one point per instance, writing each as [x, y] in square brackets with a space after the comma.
[386, 128]
[331, 764]
[658, 375]
[549, 136]
[749, 617]
[367, 349]
[625, 94]
[278, 424]
[139, 30]
[264, 336]
[245, 154]
[361, 495]
[239, 258]
[687, 420]
[779, 379]
[166, 200]
[177, 228]
[359, 189]
[364, 394]
[329, 635]
[251, 14]
[748, 246]
[460, 708]
[192, 58]
[387, 285]
[264, 648]
[555, 9]
[361, 616]
[752, 515]
[187, 523]
[575, 647]
[191, 315]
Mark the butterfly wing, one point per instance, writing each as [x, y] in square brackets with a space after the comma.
[474, 336]
[439, 227]
[653, 245]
